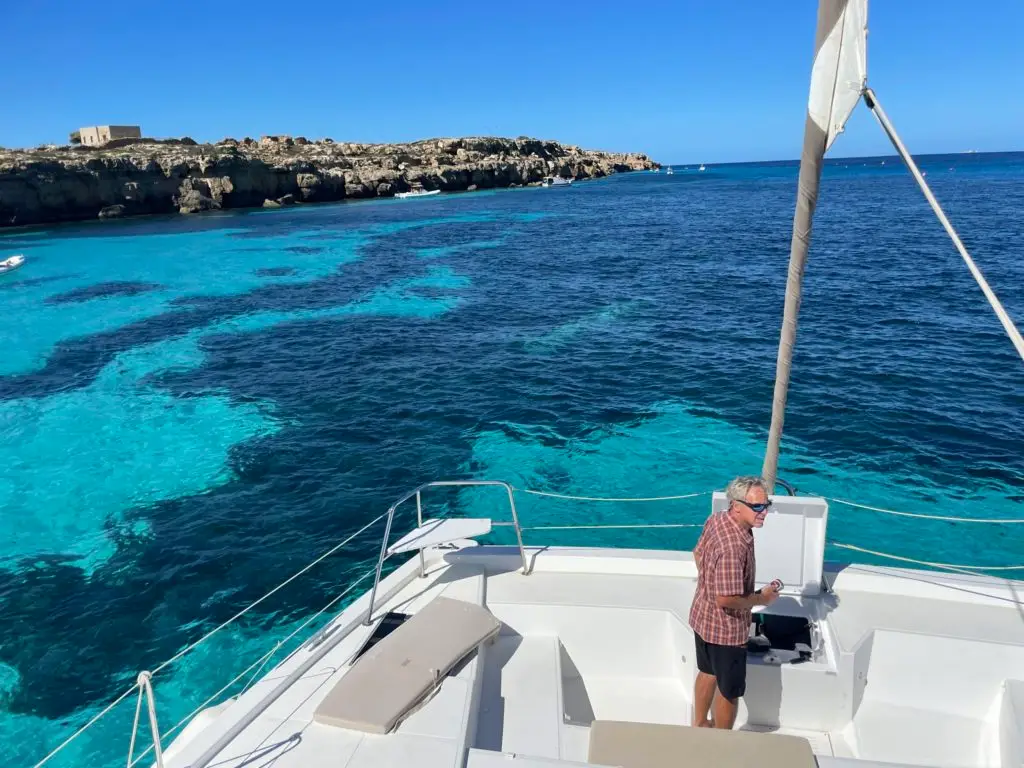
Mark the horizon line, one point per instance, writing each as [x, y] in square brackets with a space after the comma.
[796, 161]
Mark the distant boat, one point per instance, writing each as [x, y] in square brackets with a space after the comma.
[556, 181]
[670, 171]
[11, 264]
[702, 168]
[418, 193]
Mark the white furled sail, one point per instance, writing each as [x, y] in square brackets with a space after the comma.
[838, 78]
[840, 71]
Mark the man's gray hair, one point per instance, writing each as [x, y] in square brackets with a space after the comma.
[738, 489]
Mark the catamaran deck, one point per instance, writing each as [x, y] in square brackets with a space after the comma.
[910, 668]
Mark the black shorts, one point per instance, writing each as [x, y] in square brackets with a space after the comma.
[728, 663]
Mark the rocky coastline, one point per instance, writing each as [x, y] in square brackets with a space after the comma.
[138, 177]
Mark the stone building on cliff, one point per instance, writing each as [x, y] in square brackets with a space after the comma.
[95, 135]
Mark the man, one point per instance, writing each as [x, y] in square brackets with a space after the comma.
[720, 614]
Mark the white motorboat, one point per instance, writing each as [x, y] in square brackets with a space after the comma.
[702, 168]
[11, 263]
[556, 181]
[420, 192]
[476, 654]
[670, 171]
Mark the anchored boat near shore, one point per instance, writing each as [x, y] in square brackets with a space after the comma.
[474, 654]
[419, 192]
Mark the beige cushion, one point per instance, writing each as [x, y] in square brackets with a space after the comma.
[647, 745]
[391, 678]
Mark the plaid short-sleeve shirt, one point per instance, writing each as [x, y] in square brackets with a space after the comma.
[725, 567]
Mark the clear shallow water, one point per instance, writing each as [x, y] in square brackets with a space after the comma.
[191, 409]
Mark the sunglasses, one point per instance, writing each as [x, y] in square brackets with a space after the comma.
[759, 509]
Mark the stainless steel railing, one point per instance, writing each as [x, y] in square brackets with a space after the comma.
[418, 495]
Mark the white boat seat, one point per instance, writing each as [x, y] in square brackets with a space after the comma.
[531, 689]
[890, 733]
[651, 745]
[1011, 724]
[399, 672]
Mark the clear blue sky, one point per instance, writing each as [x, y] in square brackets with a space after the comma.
[684, 81]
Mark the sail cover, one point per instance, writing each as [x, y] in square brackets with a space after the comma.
[840, 70]
[838, 79]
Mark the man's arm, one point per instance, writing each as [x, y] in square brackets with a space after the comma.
[729, 585]
[746, 602]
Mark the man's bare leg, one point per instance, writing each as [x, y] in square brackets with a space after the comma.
[725, 712]
[704, 688]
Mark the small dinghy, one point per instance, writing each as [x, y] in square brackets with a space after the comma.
[418, 192]
[11, 264]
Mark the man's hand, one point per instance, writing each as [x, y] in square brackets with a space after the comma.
[766, 596]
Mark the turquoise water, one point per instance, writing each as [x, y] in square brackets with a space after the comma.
[193, 408]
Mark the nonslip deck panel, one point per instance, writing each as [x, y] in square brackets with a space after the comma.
[650, 745]
[393, 676]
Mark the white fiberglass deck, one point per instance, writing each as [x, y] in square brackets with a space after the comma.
[912, 668]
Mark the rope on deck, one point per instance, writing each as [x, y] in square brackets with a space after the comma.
[609, 527]
[918, 515]
[252, 605]
[973, 570]
[567, 497]
[846, 502]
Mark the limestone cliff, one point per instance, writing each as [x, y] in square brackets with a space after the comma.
[142, 177]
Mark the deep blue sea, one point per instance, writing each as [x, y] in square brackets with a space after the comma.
[192, 408]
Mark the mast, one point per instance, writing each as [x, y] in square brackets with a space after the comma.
[838, 78]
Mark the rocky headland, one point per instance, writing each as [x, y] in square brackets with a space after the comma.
[132, 177]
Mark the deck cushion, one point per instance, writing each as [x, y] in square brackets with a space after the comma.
[391, 678]
[649, 745]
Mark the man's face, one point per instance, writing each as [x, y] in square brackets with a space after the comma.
[754, 496]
